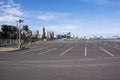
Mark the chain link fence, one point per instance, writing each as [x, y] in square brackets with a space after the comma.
[8, 42]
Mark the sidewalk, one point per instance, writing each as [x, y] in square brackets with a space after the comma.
[13, 48]
[8, 49]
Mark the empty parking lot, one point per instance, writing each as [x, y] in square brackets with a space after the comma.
[62, 61]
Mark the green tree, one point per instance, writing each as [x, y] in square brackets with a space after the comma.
[6, 31]
[26, 33]
[9, 32]
[25, 27]
[14, 32]
[1, 35]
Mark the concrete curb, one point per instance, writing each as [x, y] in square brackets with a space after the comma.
[11, 49]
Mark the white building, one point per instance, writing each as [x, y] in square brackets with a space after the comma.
[36, 34]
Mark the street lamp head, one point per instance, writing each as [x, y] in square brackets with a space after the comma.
[20, 20]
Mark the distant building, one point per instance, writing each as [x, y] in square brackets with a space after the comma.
[69, 35]
[60, 36]
[50, 35]
[36, 34]
[44, 31]
[44, 35]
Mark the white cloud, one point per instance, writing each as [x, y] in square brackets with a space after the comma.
[8, 19]
[9, 11]
[46, 16]
[13, 11]
[70, 27]
[60, 29]
[63, 27]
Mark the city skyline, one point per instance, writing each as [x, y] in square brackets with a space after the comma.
[80, 17]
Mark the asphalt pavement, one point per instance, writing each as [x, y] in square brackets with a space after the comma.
[62, 61]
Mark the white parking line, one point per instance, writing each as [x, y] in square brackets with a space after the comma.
[106, 51]
[66, 51]
[85, 51]
[48, 51]
[33, 50]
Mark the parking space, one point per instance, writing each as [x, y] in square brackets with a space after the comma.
[62, 61]
[65, 51]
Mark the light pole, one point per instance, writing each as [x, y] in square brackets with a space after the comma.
[19, 24]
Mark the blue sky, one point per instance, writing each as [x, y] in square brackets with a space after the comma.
[80, 17]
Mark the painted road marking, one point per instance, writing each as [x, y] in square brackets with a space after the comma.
[106, 51]
[48, 50]
[85, 51]
[66, 51]
[32, 50]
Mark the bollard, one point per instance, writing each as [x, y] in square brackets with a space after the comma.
[19, 46]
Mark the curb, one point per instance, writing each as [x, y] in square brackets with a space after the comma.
[11, 49]
[8, 49]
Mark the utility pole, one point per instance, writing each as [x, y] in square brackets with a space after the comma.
[19, 24]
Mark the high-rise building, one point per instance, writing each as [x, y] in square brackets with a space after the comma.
[44, 35]
[48, 34]
[69, 35]
[52, 34]
[43, 31]
[36, 33]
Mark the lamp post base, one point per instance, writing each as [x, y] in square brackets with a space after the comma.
[19, 45]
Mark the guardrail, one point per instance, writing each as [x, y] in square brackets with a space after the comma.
[7, 42]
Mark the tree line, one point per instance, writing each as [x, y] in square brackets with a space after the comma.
[12, 32]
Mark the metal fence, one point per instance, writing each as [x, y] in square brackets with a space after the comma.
[6, 42]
